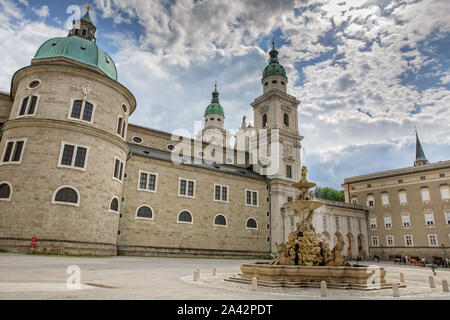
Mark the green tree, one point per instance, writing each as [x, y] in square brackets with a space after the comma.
[328, 194]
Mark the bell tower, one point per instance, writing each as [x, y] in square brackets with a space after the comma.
[277, 112]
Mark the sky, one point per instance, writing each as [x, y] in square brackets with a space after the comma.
[366, 72]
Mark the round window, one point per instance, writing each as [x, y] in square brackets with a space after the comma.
[34, 84]
[124, 108]
[137, 139]
[170, 147]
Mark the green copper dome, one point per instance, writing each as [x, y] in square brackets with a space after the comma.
[214, 106]
[274, 67]
[78, 49]
[80, 46]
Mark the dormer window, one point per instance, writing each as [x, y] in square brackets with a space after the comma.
[83, 32]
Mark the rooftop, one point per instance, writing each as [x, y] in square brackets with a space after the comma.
[399, 172]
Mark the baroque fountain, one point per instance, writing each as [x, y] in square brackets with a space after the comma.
[306, 258]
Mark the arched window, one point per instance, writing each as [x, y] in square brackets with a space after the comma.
[220, 220]
[144, 212]
[114, 205]
[184, 217]
[286, 119]
[251, 223]
[67, 195]
[264, 120]
[5, 191]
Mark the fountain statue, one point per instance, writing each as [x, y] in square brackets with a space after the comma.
[305, 247]
[306, 258]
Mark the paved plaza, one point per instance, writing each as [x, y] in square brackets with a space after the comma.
[45, 277]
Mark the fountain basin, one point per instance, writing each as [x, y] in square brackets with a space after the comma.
[360, 278]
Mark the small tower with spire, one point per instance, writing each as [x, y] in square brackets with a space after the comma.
[274, 74]
[84, 28]
[420, 155]
[214, 117]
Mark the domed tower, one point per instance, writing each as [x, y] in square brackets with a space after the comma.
[214, 117]
[63, 149]
[274, 74]
[276, 113]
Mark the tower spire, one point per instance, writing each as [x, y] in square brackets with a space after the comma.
[421, 159]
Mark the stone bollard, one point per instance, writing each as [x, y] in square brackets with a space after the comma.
[195, 275]
[395, 290]
[445, 285]
[254, 284]
[402, 277]
[323, 289]
[214, 271]
[431, 280]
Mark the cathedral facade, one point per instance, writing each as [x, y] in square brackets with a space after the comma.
[81, 180]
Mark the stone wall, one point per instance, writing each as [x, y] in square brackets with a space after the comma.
[164, 236]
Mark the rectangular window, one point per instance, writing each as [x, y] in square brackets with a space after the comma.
[359, 225]
[288, 171]
[118, 170]
[447, 217]
[445, 193]
[147, 181]
[289, 199]
[402, 197]
[370, 201]
[13, 151]
[374, 240]
[190, 189]
[432, 240]
[186, 188]
[121, 127]
[221, 193]
[73, 155]
[251, 198]
[408, 240]
[425, 194]
[336, 220]
[387, 222]
[385, 199]
[87, 113]
[429, 221]
[324, 221]
[390, 241]
[405, 221]
[82, 110]
[349, 224]
[28, 106]
[373, 222]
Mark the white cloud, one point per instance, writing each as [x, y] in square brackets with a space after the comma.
[42, 12]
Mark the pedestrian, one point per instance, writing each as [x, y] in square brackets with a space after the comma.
[446, 262]
[423, 262]
[433, 268]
